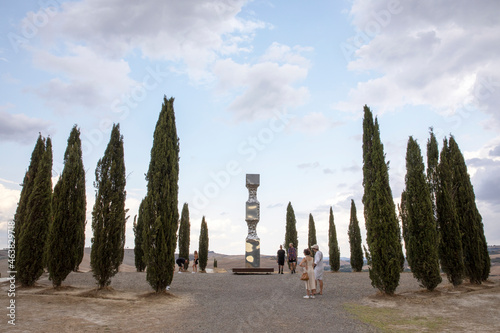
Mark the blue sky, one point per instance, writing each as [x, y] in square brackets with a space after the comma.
[269, 87]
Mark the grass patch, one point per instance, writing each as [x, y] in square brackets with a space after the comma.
[394, 320]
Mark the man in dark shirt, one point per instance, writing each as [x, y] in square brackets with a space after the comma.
[281, 259]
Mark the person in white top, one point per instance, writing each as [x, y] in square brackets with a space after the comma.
[318, 267]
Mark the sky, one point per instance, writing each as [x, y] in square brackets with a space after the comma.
[275, 88]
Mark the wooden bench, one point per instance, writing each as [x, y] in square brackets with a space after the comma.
[253, 270]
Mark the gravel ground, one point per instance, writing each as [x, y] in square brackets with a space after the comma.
[224, 302]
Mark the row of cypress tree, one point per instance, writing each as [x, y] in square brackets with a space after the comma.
[442, 228]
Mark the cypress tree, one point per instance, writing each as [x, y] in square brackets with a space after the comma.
[432, 169]
[475, 248]
[65, 244]
[354, 234]
[109, 214]
[311, 239]
[382, 228]
[203, 245]
[140, 264]
[333, 244]
[27, 187]
[184, 228]
[30, 259]
[162, 215]
[291, 229]
[422, 246]
[450, 244]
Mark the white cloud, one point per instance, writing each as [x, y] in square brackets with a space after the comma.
[190, 32]
[265, 87]
[314, 122]
[19, 127]
[437, 54]
[8, 206]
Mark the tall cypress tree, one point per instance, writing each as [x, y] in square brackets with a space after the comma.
[291, 228]
[422, 245]
[30, 258]
[184, 229]
[109, 214]
[27, 187]
[355, 241]
[475, 248]
[450, 244]
[333, 244]
[65, 244]
[311, 239]
[162, 214]
[140, 264]
[203, 245]
[382, 228]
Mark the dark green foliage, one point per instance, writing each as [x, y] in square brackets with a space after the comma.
[291, 229]
[66, 240]
[184, 228]
[476, 258]
[450, 245]
[37, 216]
[140, 264]
[161, 214]
[382, 228]
[368, 256]
[432, 169]
[215, 263]
[27, 187]
[355, 241]
[203, 245]
[421, 245]
[333, 244]
[109, 214]
[311, 239]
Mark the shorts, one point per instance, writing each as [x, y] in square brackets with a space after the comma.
[281, 262]
[292, 260]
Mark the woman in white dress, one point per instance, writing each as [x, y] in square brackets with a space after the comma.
[307, 266]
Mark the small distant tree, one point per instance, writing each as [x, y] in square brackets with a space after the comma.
[66, 240]
[333, 244]
[422, 246]
[30, 259]
[451, 253]
[291, 228]
[311, 239]
[184, 229]
[355, 241]
[203, 245]
[140, 264]
[109, 214]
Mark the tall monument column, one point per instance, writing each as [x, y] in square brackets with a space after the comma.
[252, 250]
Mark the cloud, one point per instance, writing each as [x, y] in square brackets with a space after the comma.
[193, 33]
[266, 87]
[495, 151]
[314, 122]
[439, 54]
[308, 166]
[19, 127]
[8, 206]
[486, 179]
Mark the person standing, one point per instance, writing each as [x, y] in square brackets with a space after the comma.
[292, 258]
[307, 264]
[318, 267]
[195, 262]
[281, 259]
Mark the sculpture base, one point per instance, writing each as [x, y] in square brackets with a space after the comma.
[252, 253]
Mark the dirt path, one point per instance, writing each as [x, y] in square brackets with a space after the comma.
[225, 302]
